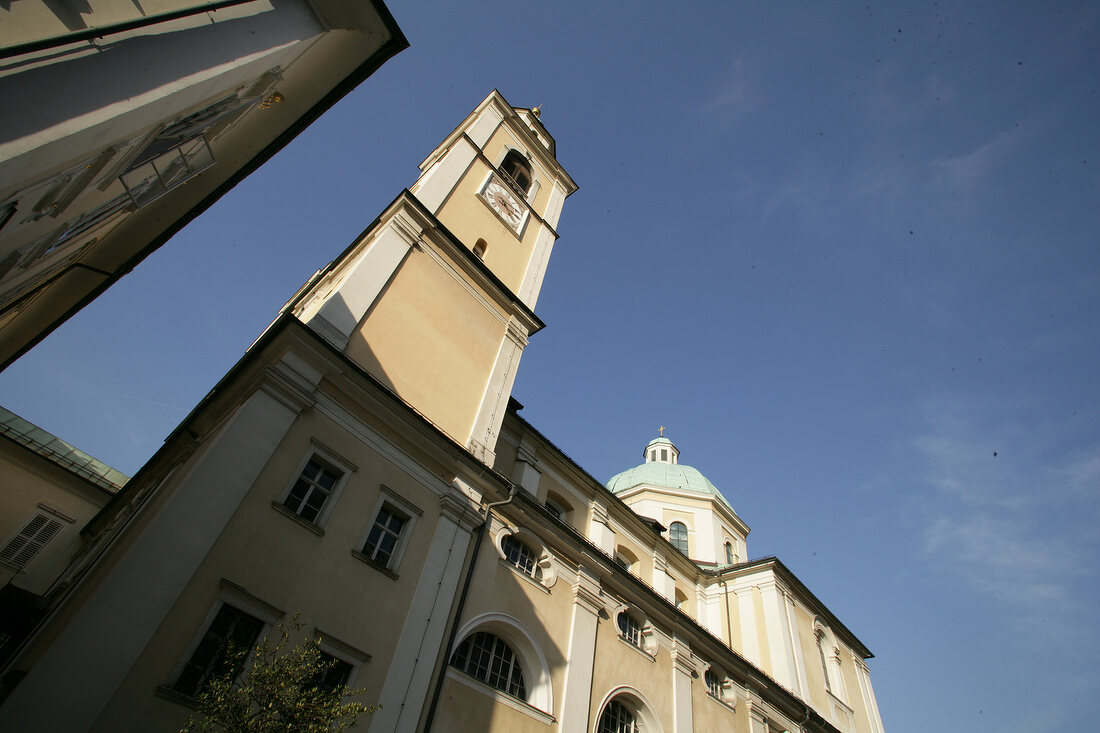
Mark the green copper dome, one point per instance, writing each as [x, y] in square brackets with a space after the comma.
[662, 470]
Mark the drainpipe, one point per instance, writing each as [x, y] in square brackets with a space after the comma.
[442, 670]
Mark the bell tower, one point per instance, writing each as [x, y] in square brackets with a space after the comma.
[435, 299]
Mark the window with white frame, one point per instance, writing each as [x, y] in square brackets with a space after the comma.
[224, 647]
[313, 492]
[341, 663]
[521, 557]
[630, 629]
[525, 553]
[714, 683]
[388, 535]
[617, 718]
[333, 675]
[489, 658]
[385, 535]
[829, 654]
[820, 634]
[678, 536]
[29, 541]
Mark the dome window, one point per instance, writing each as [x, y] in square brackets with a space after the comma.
[678, 536]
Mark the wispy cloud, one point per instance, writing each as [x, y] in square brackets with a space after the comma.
[966, 171]
[737, 93]
[1014, 519]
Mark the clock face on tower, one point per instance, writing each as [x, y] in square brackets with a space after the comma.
[504, 202]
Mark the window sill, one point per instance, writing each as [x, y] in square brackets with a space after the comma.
[638, 649]
[728, 705]
[173, 695]
[297, 520]
[840, 702]
[376, 565]
[537, 583]
[512, 702]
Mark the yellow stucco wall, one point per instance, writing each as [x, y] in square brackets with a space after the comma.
[617, 663]
[709, 714]
[469, 218]
[432, 343]
[286, 565]
[468, 707]
[30, 482]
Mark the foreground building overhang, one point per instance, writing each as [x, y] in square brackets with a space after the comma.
[134, 124]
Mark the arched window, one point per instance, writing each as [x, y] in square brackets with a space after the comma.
[558, 506]
[625, 558]
[630, 629]
[521, 557]
[820, 634]
[488, 658]
[617, 718]
[517, 170]
[729, 554]
[479, 248]
[678, 536]
[681, 599]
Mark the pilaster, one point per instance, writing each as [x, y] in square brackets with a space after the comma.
[758, 717]
[410, 670]
[796, 642]
[581, 655]
[436, 183]
[599, 530]
[746, 612]
[683, 670]
[777, 628]
[494, 400]
[867, 692]
[362, 282]
[147, 580]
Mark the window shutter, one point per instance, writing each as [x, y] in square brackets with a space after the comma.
[22, 548]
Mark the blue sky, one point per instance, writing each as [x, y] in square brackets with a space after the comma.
[848, 254]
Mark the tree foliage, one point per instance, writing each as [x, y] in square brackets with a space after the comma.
[281, 690]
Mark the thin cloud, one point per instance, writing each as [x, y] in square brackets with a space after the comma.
[737, 94]
[1018, 529]
[965, 172]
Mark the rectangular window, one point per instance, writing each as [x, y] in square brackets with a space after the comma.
[382, 540]
[22, 548]
[334, 677]
[170, 169]
[308, 495]
[223, 648]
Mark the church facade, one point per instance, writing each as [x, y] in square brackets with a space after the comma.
[364, 466]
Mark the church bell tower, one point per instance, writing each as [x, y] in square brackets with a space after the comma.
[435, 299]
